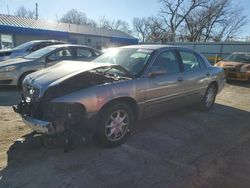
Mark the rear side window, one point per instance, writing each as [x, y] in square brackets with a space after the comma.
[168, 61]
[83, 53]
[190, 61]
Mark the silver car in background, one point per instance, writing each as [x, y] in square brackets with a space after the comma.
[107, 96]
[13, 71]
[26, 48]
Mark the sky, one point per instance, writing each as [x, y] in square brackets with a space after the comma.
[51, 10]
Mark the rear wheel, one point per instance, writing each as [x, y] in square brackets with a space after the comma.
[115, 125]
[209, 97]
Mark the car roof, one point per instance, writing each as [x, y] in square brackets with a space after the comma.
[241, 53]
[150, 46]
[70, 45]
[159, 47]
[39, 41]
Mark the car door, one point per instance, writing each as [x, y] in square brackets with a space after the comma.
[59, 55]
[195, 75]
[163, 91]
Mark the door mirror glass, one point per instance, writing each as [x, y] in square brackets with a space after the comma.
[157, 71]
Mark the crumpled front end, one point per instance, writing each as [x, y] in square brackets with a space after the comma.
[49, 118]
[42, 109]
[44, 116]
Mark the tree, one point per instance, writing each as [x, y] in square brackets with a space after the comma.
[146, 29]
[219, 20]
[119, 25]
[25, 13]
[74, 16]
[141, 29]
[174, 12]
[191, 20]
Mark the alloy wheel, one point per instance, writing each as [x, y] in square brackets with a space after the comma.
[117, 125]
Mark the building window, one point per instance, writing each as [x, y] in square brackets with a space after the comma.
[6, 41]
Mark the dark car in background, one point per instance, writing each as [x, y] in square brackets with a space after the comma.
[26, 48]
[13, 71]
[106, 96]
[236, 66]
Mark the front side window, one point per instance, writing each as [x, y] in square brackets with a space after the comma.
[83, 53]
[60, 55]
[190, 61]
[168, 61]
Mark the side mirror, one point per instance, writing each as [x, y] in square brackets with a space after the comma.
[157, 71]
[51, 58]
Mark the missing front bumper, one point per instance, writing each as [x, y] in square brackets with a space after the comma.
[38, 126]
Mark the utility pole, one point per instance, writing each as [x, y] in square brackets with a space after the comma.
[8, 9]
[36, 11]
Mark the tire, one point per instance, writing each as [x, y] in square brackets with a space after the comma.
[115, 125]
[20, 81]
[209, 98]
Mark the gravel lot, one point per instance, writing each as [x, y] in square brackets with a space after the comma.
[184, 148]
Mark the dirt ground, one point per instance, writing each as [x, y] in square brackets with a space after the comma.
[184, 148]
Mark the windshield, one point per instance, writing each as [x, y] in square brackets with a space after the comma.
[132, 59]
[40, 53]
[24, 45]
[245, 58]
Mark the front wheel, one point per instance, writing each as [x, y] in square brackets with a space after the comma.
[209, 98]
[115, 125]
[21, 79]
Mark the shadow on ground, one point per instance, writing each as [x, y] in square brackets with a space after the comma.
[185, 148]
[239, 83]
[9, 95]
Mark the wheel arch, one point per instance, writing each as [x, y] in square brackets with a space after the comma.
[215, 83]
[126, 100]
[23, 75]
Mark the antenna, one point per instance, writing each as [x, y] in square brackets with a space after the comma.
[36, 11]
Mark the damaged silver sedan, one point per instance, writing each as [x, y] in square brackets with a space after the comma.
[107, 96]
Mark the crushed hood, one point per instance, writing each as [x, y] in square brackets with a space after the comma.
[59, 73]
